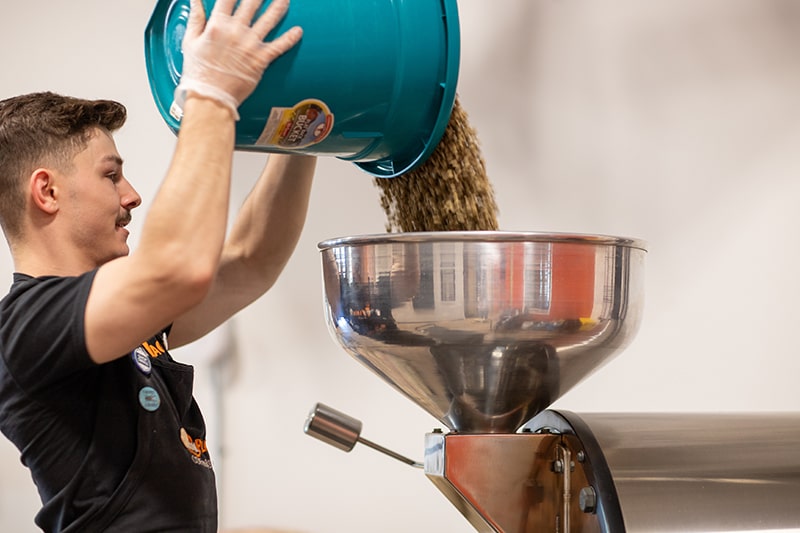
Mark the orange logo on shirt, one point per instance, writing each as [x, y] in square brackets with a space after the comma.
[154, 350]
[196, 447]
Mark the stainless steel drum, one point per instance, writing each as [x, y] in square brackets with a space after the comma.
[680, 472]
[483, 329]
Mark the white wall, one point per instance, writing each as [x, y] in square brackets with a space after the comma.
[676, 122]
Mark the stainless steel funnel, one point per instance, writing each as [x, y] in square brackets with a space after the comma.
[483, 329]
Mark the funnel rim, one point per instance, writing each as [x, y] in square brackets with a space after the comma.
[483, 236]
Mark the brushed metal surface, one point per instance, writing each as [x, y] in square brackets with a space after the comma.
[703, 472]
[689, 472]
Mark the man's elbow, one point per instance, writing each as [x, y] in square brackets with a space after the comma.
[190, 281]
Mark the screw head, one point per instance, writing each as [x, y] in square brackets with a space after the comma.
[587, 500]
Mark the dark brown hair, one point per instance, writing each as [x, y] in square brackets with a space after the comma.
[44, 129]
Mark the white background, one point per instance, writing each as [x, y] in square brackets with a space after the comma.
[675, 122]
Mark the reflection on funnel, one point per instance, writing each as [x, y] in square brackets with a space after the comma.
[483, 329]
[496, 388]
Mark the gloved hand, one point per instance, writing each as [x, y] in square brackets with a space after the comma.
[225, 57]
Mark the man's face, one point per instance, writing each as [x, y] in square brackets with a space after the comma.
[99, 200]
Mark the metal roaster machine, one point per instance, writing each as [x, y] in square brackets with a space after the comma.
[485, 330]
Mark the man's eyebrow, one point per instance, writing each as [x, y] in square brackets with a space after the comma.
[113, 158]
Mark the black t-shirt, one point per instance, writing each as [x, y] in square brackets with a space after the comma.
[112, 447]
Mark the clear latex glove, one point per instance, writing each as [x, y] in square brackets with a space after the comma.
[225, 57]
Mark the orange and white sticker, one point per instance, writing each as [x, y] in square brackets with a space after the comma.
[291, 128]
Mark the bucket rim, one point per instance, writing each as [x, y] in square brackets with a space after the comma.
[391, 168]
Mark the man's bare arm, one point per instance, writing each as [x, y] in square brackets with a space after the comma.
[178, 257]
[262, 239]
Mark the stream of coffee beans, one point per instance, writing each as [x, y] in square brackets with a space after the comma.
[450, 191]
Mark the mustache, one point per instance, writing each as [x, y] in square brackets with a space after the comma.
[125, 219]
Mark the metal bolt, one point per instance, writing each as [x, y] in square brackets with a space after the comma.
[558, 466]
[588, 500]
[581, 456]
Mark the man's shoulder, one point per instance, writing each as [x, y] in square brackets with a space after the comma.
[38, 309]
[23, 284]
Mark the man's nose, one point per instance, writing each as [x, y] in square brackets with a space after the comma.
[129, 198]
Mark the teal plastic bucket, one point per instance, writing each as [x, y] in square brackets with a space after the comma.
[372, 81]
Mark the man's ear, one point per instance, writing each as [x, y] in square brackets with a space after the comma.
[43, 191]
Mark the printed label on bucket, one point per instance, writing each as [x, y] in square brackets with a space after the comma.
[307, 123]
[175, 111]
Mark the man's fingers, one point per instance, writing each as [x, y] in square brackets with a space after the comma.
[281, 45]
[271, 17]
[247, 10]
[224, 7]
[197, 20]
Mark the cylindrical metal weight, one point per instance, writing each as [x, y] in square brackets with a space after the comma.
[333, 427]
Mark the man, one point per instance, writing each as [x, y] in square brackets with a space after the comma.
[102, 415]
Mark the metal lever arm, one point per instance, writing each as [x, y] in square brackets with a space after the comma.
[342, 431]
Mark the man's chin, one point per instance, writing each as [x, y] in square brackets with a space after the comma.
[123, 251]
